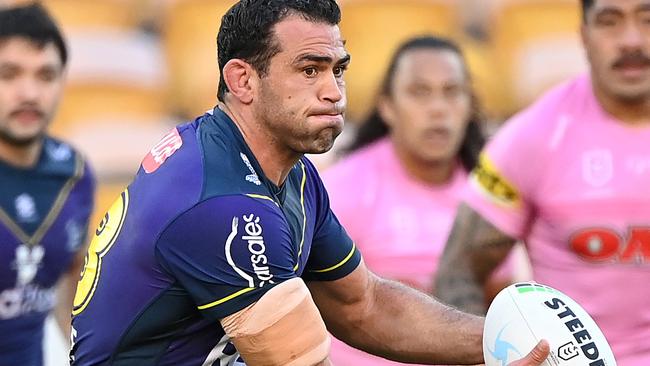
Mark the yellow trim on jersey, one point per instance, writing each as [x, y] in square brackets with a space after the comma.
[51, 216]
[304, 215]
[59, 202]
[260, 196]
[489, 181]
[227, 298]
[347, 258]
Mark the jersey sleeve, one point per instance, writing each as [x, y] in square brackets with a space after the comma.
[501, 186]
[86, 185]
[333, 254]
[227, 252]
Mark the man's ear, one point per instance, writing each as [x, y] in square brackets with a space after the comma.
[386, 110]
[239, 76]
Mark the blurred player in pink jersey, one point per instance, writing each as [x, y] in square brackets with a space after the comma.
[570, 176]
[408, 169]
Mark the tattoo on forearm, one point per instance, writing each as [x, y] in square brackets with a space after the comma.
[475, 247]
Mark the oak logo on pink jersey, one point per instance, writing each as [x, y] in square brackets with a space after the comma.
[607, 245]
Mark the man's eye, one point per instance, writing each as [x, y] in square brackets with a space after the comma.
[47, 76]
[339, 71]
[606, 21]
[310, 71]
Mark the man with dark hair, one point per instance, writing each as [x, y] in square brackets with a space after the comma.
[570, 177]
[224, 251]
[47, 189]
[409, 163]
[586, 6]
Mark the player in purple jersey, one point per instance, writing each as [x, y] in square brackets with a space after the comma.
[569, 176]
[224, 250]
[46, 191]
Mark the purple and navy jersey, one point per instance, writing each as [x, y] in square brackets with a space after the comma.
[44, 213]
[199, 234]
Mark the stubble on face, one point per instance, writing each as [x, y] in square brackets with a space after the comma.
[290, 127]
[303, 112]
[31, 82]
[618, 50]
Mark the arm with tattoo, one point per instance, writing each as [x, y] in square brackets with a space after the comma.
[474, 249]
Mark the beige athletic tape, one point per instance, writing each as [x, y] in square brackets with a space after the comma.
[283, 328]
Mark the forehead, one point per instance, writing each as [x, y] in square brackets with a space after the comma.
[430, 63]
[620, 5]
[26, 53]
[299, 36]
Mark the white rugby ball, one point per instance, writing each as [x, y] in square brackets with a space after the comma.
[524, 313]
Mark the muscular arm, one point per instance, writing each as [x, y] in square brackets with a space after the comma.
[474, 249]
[396, 322]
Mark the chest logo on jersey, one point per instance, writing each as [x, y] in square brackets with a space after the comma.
[252, 177]
[597, 167]
[605, 245]
[26, 208]
[165, 148]
[28, 260]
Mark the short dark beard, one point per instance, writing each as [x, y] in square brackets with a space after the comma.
[20, 142]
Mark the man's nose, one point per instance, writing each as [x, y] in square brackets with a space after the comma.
[632, 37]
[29, 89]
[333, 89]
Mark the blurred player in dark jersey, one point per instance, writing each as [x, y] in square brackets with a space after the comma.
[224, 250]
[46, 192]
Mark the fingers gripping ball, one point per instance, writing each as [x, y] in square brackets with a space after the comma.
[524, 313]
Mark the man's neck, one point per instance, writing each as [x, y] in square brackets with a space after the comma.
[635, 113]
[432, 173]
[21, 156]
[276, 161]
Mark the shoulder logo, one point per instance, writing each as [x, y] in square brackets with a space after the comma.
[253, 178]
[58, 152]
[165, 148]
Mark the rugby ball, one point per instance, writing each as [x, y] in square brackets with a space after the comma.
[524, 313]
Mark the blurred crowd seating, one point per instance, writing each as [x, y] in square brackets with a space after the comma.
[139, 66]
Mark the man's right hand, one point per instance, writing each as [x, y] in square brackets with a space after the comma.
[535, 357]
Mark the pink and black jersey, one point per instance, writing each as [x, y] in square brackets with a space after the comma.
[199, 234]
[573, 182]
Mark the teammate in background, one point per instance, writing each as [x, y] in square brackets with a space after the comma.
[224, 250]
[570, 177]
[47, 189]
[408, 167]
